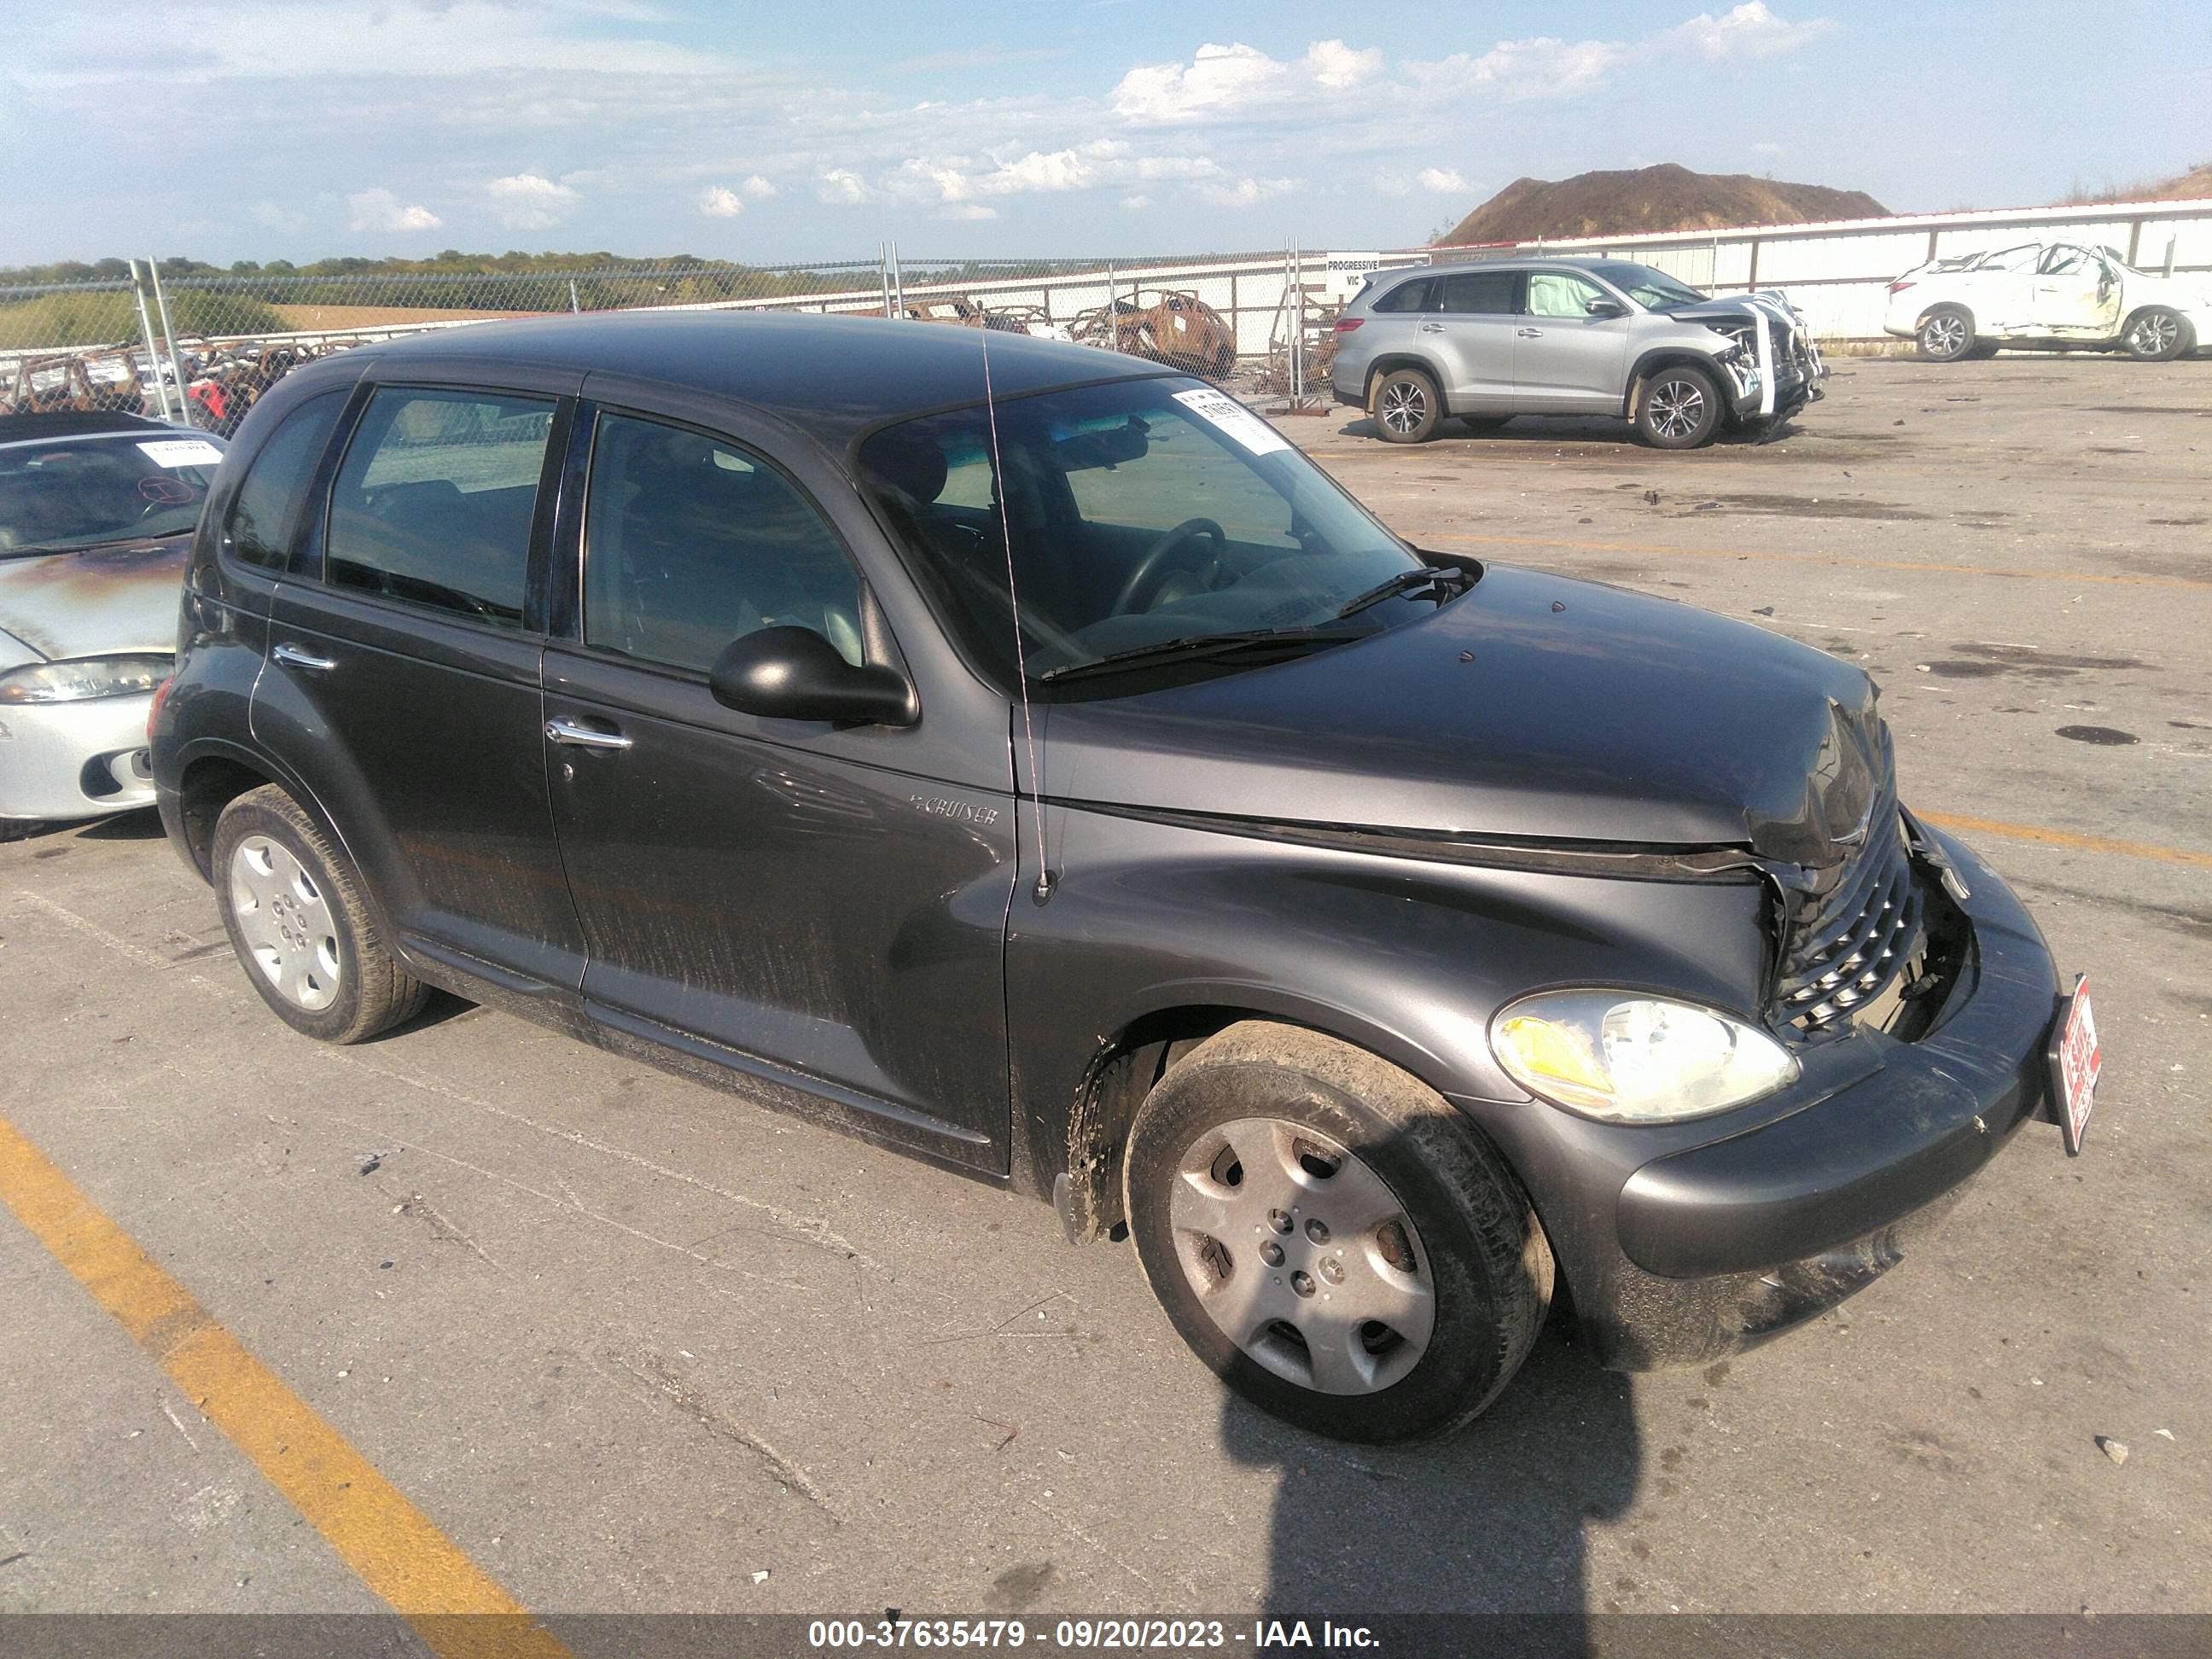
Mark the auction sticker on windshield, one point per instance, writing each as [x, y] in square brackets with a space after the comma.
[2076, 1060]
[182, 452]
[1237, 424]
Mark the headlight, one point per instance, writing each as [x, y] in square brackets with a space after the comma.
[83, 679]
[1632, 1058]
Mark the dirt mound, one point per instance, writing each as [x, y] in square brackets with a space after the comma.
[1650, 199]
[2191, 184]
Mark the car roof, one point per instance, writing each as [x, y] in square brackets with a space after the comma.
[833, 376]
[41, 425]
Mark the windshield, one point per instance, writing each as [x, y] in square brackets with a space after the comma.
[1654, 290]
[1142, 513]
[119, 487]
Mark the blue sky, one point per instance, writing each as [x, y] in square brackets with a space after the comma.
[258, 129]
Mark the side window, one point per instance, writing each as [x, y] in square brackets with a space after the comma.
[1409, 296]
[1489, 293]
[1560, 294]
[264, 507]
[434, 502]
[2022, 257]
[2066, 262]
[690, 543]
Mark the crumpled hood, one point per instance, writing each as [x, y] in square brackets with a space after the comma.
[1533, 709]
[96, 601]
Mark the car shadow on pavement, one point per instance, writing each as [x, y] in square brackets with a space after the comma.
[1493, 1520]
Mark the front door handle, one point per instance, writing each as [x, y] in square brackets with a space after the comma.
[1432, 328]
[1530, 333]
[577, 735]
[299, 657]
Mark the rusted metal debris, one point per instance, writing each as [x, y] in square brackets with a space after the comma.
[1315, 322]
[226, 382]
[104, 379]
[961, 309]
[1172, 326]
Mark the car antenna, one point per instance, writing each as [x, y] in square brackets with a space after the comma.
[1045, 878]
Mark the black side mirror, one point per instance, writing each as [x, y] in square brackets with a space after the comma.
[794, 674]
[1605, 306]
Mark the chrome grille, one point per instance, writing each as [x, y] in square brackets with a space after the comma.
[1847, 947]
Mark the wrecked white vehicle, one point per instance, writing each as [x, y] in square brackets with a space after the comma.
[2047, 295]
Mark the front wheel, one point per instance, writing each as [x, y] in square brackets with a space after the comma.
[2156, 334]
[1407, 406]
[1331, 1237]
[292, 905]
[1679, 408]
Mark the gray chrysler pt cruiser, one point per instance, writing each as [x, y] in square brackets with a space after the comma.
[1020, 756]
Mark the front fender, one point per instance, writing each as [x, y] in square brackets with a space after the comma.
[1406, 958]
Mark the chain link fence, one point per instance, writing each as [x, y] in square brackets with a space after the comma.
[185, 342]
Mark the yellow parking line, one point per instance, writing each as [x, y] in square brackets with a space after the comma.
[2072, 576]
[397, 1549]
[2067, 838]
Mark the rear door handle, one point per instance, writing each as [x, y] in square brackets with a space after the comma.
[299, 657]
[577, 735]
[1530, 333]
[1432, 328]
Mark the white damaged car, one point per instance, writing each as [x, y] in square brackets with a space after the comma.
[2048, 296]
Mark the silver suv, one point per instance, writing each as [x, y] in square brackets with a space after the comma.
[1484, 342]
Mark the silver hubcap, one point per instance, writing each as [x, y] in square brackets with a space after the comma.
[1405, 406]
[1677, 408]
[2155, 334]
[1302, 1256]
[286, 923]
[1944, 336]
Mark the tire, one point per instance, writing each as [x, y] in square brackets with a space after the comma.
[1946, 334]
[1483, 425]
[1679, 407]
[1984, 351]
[1406, 405]
[1445, 1245]
[291, 903]
[2157, 334]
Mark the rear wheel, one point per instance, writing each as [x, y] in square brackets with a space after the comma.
[1946, 334]
[292, 905]
[1332, 1237]
[1406, 405]
[1679, 407]
[2156, 334]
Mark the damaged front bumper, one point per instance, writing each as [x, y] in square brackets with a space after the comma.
[1723, 1246]
[64, 760]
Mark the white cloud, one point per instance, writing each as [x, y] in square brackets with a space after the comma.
[970, 210]
[1749, 31]
[719, 201]
[380, 209]
[757, 188]
[524, 201]
[1337, 66]
[843, 187]
[1134, 203]
[1245, 192]
[1445, 182]
[1543, 67]
[1237, 80]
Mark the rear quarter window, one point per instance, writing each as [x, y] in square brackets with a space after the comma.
[1409, 296]
[266, 508]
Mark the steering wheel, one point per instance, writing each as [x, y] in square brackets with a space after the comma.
[1138, 591]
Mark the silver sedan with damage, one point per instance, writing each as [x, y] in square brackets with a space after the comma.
[95, 514]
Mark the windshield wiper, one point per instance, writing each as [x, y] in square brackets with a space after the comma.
[1406, 581]
[1201, 647]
